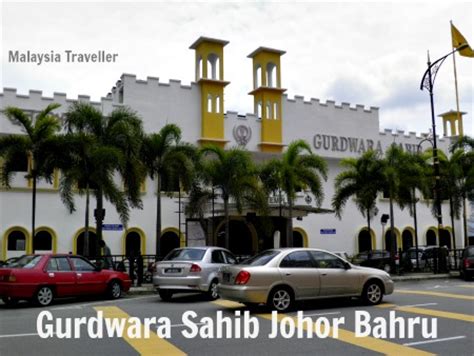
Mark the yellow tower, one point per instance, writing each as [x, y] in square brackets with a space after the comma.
[455, 123]
[267, 93]
[210, 77]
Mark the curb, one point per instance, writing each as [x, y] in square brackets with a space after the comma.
[143, 290]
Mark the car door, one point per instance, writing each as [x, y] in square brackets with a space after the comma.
[297, 270]
[89, 279]
[59, 273]
[335, 278]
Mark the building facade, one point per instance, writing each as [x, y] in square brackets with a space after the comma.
[335, 131]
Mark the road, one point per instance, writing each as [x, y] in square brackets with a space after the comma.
[448, 303]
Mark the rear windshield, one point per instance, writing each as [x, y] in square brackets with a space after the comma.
[185, 254]
[469, 251]
[26, 262]
[261, 259]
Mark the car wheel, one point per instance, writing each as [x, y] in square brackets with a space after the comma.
[114, 290]
[212, 292]
[280, 299]
[373, 293]
[44, 296]
[9, 301]
[165, 295]
[387, 268]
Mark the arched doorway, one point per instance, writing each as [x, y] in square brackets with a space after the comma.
[43, 241]
[445, 238]
[364, 241]
[407, 239]
[431, 238]
[93, 246]
[133, 244]
[242, 240]
[388, 239]
[16, 242]
[297, 239]
[169, 241]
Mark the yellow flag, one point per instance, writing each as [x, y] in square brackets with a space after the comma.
[459, 40]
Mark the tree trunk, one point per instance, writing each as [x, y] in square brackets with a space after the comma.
[451, 208]
[158, 216]
[33, 215]
[99, 219]
[416, 229]
[289, 231]
[464, 217]
[227, 220]
[368, 229]
[85, 245]
[393, 242]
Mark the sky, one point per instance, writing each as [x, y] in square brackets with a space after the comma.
[369, 53]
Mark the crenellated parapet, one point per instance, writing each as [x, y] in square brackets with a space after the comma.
[330, 104]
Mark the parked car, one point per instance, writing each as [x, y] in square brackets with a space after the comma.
[42, 278]
[191, 269]
[341, 254]
[427, 256]
[279, 277]
[467, 263]
[374, 258]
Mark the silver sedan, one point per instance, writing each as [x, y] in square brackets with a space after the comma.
[191, 269]
[279, 277]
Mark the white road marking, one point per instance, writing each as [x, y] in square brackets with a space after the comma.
[321, 314]
[17, 335]
[434, 340]
[181, 325]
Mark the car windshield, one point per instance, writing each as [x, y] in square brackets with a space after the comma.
[470, 251]
[260, 259]
[185, 254]
[25, 262]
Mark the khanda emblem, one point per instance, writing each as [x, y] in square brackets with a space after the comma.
[242, 134]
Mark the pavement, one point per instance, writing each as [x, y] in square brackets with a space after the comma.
[148, 288]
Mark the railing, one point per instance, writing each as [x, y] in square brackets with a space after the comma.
[439, 260]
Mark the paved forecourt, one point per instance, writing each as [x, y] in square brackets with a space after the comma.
[450, 301]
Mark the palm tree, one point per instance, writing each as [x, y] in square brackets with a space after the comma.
[167, 161]
[123, 130]
[362, 179]
[297, 169]
[38, 144]
[233, 173]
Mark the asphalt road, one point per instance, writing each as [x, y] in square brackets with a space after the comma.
[449, 304]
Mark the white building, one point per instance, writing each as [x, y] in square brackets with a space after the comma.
[334, 131]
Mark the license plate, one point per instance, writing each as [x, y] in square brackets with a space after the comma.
[172, 270]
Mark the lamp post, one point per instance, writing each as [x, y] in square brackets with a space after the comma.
[428, 82]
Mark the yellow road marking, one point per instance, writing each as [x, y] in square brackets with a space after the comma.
[436, 294]
[370, 343]
[228, 303]
[153, 345]
[438, 313]
[386, 305]
[466, 285]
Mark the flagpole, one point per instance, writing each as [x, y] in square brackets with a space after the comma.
[456, 90]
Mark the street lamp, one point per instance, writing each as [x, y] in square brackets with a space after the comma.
[428, 82]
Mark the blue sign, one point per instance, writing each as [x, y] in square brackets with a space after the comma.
[327, 231]
[112, 227]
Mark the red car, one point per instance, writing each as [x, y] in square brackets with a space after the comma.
[42, 278]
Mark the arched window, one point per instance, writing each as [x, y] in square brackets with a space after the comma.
[199, 68]
[269, 110]
[297, 239]
[271, 75]
[258, 76]
[16, 241]
[259, 109]
[445, 238]
[209, 103]
[218, 104]
[43, 241]
[133, 244]
[93, 246]
[431, 237]
[213, 64]
[275, 111]
[388, 240]
[364, 241]
[169, 241]
[407, 239]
